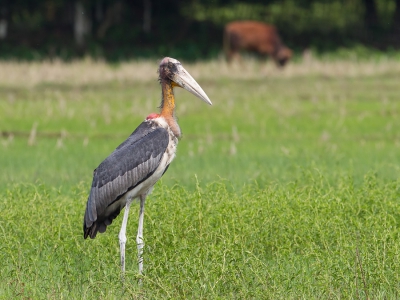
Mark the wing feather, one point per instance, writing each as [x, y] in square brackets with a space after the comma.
[131, 163]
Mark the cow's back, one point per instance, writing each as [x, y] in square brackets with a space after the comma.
[253, 36]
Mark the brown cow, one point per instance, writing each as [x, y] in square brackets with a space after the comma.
[257, 37]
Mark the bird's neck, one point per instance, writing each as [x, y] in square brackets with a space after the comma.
[168, 100]
[168, 107]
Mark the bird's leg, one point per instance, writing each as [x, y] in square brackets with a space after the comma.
[139, 238]
[122, 236]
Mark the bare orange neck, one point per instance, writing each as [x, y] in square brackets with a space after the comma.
[168, 106]
[168, 100]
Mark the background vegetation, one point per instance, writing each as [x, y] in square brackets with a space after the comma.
[118, 30]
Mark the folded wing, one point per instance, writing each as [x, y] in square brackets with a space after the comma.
[131, 163]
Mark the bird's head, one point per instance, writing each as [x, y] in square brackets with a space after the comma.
[171, 69]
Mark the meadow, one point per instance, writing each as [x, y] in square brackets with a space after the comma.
[286, 188]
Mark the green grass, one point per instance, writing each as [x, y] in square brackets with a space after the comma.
[287, 187]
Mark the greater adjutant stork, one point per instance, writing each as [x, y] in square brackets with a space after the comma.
[139, 162]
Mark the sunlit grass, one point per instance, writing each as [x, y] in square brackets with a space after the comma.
[286, 188]
[280, 241]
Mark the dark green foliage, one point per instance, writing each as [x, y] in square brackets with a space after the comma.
[189, 30]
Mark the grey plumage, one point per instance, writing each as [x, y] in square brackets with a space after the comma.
[131, 163]
[132, 170]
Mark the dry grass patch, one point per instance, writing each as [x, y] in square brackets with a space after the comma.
[88, 71]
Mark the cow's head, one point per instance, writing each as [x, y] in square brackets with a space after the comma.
[283, 56]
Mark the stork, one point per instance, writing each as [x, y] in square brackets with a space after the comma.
[134, 167]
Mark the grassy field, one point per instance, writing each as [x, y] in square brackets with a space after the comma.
[287, 187]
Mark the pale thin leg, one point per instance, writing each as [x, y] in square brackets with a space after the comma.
[139, 238]
[122, 236]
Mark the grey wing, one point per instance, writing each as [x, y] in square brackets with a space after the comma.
[131, 163]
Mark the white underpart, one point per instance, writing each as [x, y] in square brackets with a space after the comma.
[141, 191]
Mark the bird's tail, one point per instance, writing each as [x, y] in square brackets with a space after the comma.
[91, 228]
[97, 226]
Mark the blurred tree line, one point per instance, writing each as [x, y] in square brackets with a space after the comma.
[122, 29]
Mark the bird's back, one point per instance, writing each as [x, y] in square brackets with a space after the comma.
[130, 164]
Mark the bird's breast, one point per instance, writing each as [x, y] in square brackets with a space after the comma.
[174, 134]
[166, 159]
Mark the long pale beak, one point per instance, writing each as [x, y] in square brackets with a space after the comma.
[186, 81]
